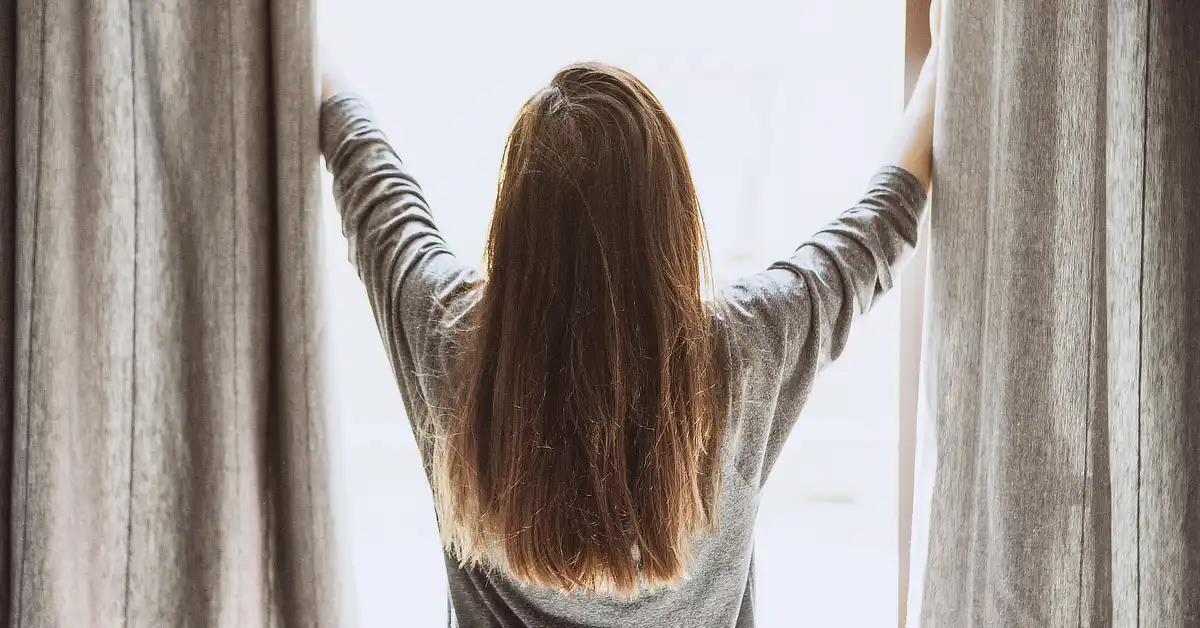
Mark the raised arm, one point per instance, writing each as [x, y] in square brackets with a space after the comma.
[791, 320]
[912, 146]
[412, 279]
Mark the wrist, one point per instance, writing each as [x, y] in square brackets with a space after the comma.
[927, 80]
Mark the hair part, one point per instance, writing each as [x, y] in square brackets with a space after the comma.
[586, 450]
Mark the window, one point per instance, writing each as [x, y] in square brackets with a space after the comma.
[784, 112]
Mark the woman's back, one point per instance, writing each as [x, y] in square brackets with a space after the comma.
[638, 506]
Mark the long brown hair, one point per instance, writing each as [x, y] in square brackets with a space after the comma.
[585, 453]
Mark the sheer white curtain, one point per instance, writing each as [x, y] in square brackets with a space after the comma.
[784, 109]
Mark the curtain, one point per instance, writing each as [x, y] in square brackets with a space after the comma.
[164, 427]
[1059, 479]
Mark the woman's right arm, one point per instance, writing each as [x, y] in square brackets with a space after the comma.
[912, 146]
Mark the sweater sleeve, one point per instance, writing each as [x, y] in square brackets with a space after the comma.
[413, 281]
[791, 320]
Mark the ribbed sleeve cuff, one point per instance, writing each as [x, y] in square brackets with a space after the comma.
[341, 114]
[906, 185]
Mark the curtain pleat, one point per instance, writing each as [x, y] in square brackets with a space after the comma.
[8, 215]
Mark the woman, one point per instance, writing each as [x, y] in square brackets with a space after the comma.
[596, 430]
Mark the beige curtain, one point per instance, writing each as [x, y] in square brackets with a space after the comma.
[164, 428]
[1059, 473]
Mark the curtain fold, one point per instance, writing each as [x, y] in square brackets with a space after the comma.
[8, 214]
[165, 424]
[1061, 411]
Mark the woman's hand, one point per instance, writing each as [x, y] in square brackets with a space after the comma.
[333, 81]
[912, 147]
[327, 90]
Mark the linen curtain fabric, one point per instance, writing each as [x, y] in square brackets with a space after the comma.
[1060, 463]
[162, 422]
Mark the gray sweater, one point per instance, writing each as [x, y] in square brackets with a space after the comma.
[784, 325]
